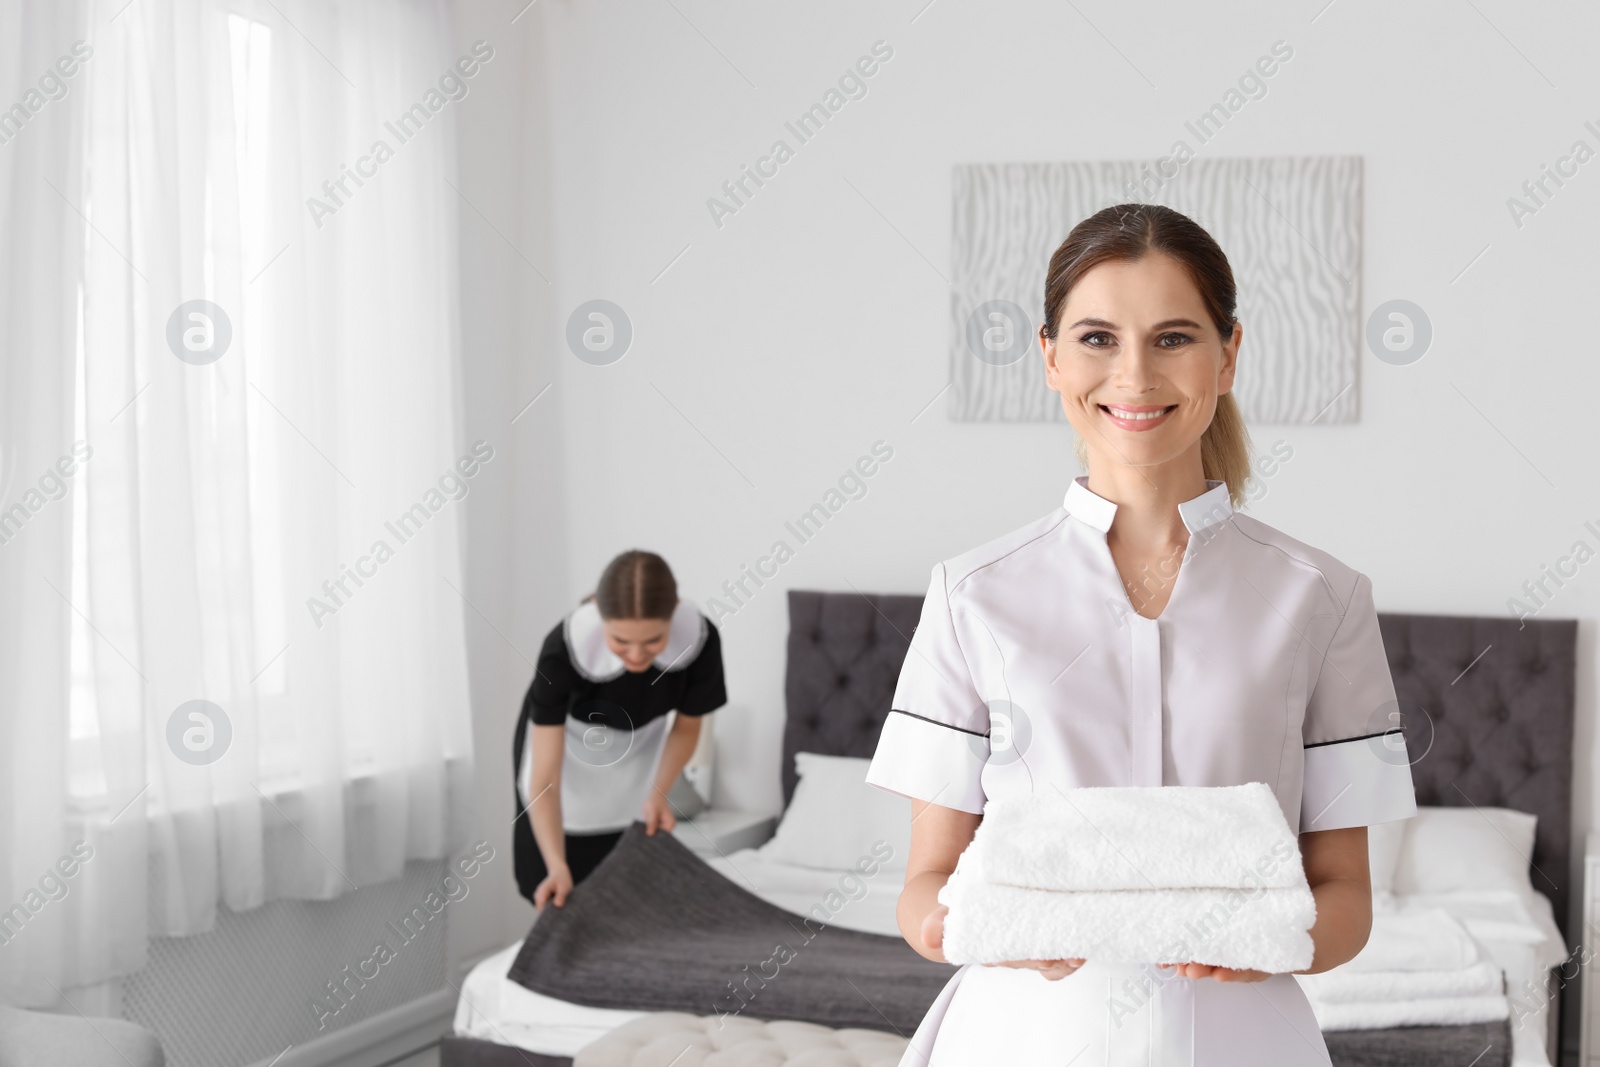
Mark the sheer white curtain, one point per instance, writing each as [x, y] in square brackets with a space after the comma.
[39, 270]
[259, 688]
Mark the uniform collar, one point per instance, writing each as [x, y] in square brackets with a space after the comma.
[1210, 507]
[593, 658]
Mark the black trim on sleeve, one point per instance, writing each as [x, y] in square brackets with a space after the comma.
[936, 722]
[1363, 737]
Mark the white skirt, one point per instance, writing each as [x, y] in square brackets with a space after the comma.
[1116, 1015]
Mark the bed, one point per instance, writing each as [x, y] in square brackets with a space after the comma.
[1487, 702]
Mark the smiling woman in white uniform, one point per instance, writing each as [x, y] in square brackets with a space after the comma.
[594, 722]
[1143, 634]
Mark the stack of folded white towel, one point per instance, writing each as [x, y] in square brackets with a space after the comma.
[1139, 874]
[1420, 967]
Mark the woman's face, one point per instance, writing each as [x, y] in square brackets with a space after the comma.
[1138, 362]
[637, 641]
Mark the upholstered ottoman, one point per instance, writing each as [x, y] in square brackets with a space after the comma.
[683, 1040]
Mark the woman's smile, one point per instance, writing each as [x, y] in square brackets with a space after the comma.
[1137, 417]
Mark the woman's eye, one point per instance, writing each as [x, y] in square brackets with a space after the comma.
[1101, 339]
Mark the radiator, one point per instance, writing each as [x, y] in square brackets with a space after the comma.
[291, 972]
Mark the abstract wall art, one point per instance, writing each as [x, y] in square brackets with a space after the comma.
[1290, 226]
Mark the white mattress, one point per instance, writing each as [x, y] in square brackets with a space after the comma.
[493, 1008]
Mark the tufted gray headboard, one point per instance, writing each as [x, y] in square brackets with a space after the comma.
[844, 657]
[1487, 707]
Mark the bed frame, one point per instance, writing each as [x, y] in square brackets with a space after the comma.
[1487, 710]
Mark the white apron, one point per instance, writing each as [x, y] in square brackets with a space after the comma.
[1115, 1015]
[606, 773]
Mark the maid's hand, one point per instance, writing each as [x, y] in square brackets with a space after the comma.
[657, 813]
[1055, 970]
[933, 927]
[556, 887]
[1221, 974]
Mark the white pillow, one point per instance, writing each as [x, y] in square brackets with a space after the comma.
[835, 820]
[1384, 841]
[1451, 850]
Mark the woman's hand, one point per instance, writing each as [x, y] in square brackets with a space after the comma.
[1221, 974]
[933, 927]
[933, 937]
[1055, 970]
[557, 884]
[657, 812]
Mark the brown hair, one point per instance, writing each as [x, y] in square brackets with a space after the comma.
[636, 585]
[1129, 232]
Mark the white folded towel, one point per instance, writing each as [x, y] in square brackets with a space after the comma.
[1419, 967]
[1142, 837]
[1433, 1011]
[1342, 986]
[1140, 874]
[1263, 930]
[1414, 939]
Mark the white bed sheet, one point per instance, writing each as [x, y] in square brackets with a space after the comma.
[494, 1008]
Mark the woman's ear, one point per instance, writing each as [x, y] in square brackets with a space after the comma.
[1230, 359]
[1047, 348]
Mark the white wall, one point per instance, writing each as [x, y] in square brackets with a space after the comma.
[777, 348]
[515, 544]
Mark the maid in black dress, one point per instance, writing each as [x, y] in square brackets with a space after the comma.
[593, 751]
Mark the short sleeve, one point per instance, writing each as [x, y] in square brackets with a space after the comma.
[550, 693]
[1357, 770]
[935, 739]
[705, 691]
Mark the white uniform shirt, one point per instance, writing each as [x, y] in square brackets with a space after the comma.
[1029, 671]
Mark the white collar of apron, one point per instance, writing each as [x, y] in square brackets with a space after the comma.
[1209, 508]
[586, 641]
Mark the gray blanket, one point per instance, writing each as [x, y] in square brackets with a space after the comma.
[653, 928]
